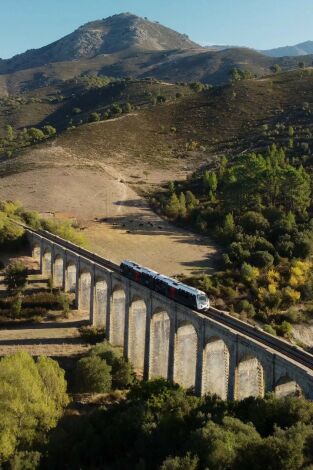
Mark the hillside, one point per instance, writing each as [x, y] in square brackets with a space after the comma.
[96, 170]
[304, 48]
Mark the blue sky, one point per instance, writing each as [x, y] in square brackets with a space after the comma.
[26, 24]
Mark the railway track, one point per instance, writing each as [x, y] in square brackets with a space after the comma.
[279, 345]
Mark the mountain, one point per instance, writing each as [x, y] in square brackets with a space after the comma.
[118, 33]
[126, 45]
[304, 48]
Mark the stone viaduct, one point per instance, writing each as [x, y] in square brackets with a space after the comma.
[211, 352]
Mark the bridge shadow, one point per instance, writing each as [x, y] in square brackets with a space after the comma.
[39, 341]
[44, 326]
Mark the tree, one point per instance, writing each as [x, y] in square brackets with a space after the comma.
[187, 462]
[276, 68]
[210, 182]
[92, 374]
[9, 132]
[30, 402]
[35, 135]
[49, 130]
[116, 109]
[262, 259]
[254, 221]
[182, 205]
[229, 227]
[122, 371]
[15, 276]
[191, 200]
[127, 108]
[172, 208]
[94, 117]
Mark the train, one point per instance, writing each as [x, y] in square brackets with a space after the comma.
[171, 288]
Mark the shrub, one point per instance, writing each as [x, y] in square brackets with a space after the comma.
[262, 259]
[180, 463]
[15, 276]
[161, 99]
[269, 329]
[94, 117]
[238, 253]
[92, 374]
[122, 372]
[285, 329]
[249, 273]
[16, 306]
[245, 306]
[91, 334]
[254, 221]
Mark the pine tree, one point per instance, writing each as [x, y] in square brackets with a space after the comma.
[173, 206]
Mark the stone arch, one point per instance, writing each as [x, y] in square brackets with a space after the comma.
[249, 378]
[160, 327]
[100, 303]
[137, 333]
[84, 290]
[118, 312]
[46, 262]
[215, 369]
[185, 362]
[70, 277]
[286, 386]
[36, 252]
[58, 264]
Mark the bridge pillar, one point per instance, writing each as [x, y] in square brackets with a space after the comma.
[52, 262]
[64, 271]
[41, 256]
[126, 324]
[171, 352]
[146, 371]
[199, 365]
[77, 283]
[233, 361]
[92, 295]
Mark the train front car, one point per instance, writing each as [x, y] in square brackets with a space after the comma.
[203, 302]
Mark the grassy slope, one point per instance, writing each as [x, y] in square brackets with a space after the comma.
[225, 119]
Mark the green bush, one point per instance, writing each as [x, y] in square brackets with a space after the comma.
[261, 259]
[94, 117]
[245, 306]
[180, 463]
[253, 222]
[92, 334]
[269, 329]
[92, 375]
[285, 329]
[15, 276]
[122, 371]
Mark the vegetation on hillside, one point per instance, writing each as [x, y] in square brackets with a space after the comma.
[160, 426]
[152, 425]
[260, 208]
[12, 234]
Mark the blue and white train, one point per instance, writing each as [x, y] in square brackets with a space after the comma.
[175, 290]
